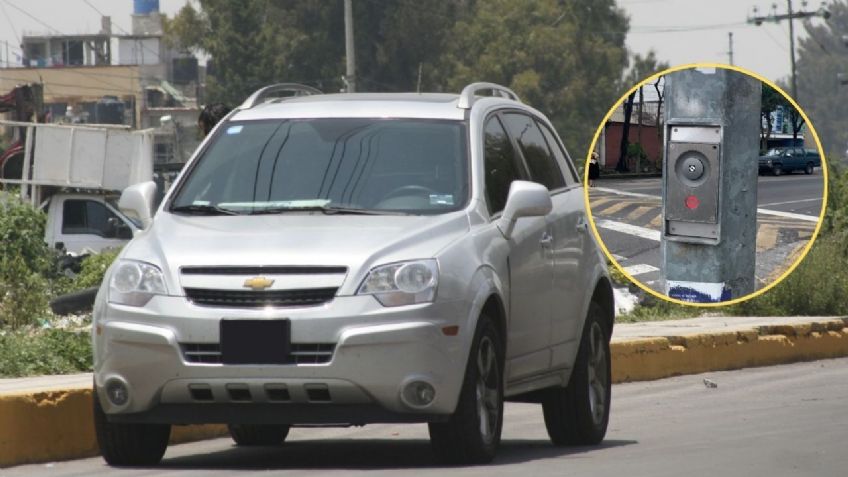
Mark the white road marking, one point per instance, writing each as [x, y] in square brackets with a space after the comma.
[642, 232]
[618, 258]
[791, 202]
[640, 269]
[778, 213]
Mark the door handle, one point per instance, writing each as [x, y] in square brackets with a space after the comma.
[547, 240]
[582, 224]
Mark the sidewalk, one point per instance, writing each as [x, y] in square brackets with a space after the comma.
[49, 418]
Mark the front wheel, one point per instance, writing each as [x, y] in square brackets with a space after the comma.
[473, 433]
[809, 169]
[777, 170]
[579, 413]
[129, 444]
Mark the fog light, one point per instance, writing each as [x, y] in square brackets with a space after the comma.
[419, 394]
[117, 392]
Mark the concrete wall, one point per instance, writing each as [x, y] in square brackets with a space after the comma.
[612, 143]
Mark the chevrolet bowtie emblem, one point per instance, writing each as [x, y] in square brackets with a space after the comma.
[258, 283]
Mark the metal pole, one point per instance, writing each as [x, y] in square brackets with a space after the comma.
[792, 49]
[350, 75]
[708, 248]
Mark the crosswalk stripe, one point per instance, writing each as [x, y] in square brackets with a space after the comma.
[638, 213]
[642, 232]
[640, 269]
[615, 208]
[657, 222]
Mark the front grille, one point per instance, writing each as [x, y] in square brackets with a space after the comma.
[301, 353]
[260, 299]
[266, 270]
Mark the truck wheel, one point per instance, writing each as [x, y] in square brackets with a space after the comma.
[579, 413]
[777, 170]
[809, 169]
[129, 444]
[258, 435]
[473, 433]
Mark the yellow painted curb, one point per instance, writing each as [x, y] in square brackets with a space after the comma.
[656, 358]
[58, 425]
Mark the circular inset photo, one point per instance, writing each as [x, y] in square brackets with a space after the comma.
[706, 184]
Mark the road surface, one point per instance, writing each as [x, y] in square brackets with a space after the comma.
[777, 421]
[628, 214]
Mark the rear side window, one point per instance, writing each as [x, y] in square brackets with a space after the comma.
[500, 163]
[561, 156]
[540, 161]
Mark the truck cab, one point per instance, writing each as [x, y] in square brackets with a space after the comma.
[82, 222]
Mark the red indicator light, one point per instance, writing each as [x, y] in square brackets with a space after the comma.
[692, 202]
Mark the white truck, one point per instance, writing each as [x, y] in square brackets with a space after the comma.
[75, 173]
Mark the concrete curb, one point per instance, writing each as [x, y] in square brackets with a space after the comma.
[57, 424]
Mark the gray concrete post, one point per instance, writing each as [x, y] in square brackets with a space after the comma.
[712, 127]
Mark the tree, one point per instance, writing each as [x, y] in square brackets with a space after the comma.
[822, 57]
[565, 58]
[771, 99]
[640, 70]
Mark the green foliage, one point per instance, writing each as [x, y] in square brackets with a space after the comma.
[816, 288]
[24, 262]
[31, 352]
[642, 67]
[93, 269]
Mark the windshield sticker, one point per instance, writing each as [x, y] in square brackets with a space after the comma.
[200, 202]
[278, 203]
[234, 129]
[441, 199]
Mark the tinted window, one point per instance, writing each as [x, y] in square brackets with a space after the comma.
[89, 217]
[543, 167]
[406, 165]
[560, 155]
[500, 164]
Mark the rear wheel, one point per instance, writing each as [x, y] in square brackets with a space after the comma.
[777, 169]
[129, 444]
[809, 169]
[258, 435]
[579, 413]
[473, 433]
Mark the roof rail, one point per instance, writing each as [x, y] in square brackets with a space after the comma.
[261, 95]
[469, 93]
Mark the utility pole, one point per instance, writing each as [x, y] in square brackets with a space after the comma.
[791, 16]
[350, 75]
[730, 47]
[709, 239]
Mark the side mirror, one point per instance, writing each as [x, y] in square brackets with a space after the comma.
[525, 199]
[137, 202]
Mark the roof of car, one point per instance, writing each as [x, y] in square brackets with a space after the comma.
[397, 105]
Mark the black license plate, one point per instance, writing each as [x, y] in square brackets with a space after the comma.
[255, 341]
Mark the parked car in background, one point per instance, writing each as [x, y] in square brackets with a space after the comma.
[349, 259]
[779, 160]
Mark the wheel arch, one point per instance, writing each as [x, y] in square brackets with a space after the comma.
[603, 296]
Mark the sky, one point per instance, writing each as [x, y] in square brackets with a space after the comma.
[680, 31]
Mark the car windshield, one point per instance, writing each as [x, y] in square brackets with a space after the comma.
[345, 165]
[775, 152]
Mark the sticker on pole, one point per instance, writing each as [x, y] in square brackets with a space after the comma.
[697, 292]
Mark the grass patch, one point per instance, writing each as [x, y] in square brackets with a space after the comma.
[34, 351]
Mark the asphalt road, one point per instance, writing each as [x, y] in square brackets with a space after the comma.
[778, 421]
[797, 193]
[784, 203]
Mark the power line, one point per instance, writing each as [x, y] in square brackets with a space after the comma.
[11, 25]
[9, 2]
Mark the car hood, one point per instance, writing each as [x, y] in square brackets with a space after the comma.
[357, 242]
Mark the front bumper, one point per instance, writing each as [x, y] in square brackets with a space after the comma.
[377, 352]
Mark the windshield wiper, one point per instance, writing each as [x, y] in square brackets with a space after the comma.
[203, 210]
[326, 209]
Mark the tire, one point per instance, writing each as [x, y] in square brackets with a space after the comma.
[777, 170]
[129, 445]
[809, 169]
[76, 302]
[258, 435]
[473, 433]
[579, 413]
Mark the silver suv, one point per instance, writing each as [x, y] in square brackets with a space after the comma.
[359, 258]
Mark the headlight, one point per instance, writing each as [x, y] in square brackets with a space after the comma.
[403, 283]
[135, 283]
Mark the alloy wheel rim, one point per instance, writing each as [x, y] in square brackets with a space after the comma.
[487, 386]
[598, 376]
